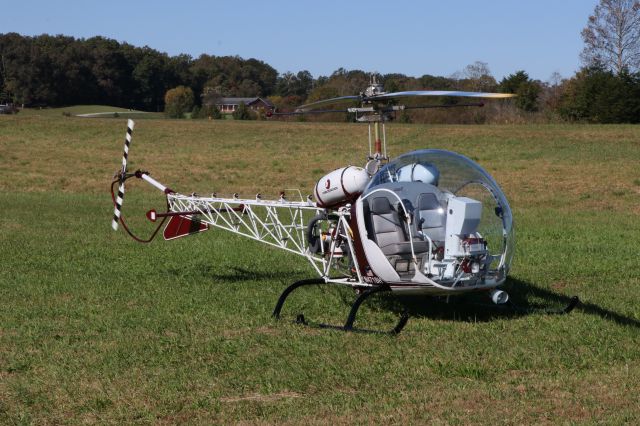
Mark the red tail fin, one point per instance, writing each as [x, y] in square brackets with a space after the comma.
[181, 226]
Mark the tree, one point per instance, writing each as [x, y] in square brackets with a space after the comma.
[527, 96]
[299, 84]
[112, 70]
[553, 89]
[178, 101]
[612, 36]
[233, 76]
[150, 75]
[5, 96]
[431, 82]
[598, 95]
[477, 77]
[512, 82]
[286, 103]
[305, 83]
[242, 113]
[214, 113]
[398, 82]
[526, 89]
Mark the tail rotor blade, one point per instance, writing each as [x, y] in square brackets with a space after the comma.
[123, 172]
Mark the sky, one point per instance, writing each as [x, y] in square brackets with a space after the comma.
[410, 37]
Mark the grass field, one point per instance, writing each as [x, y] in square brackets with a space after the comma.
[95, 328]
[99, 111]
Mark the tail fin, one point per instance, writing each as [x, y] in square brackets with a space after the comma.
[181, 226]
[123, 172]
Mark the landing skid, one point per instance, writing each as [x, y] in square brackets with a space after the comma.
[510, 306]
[348, 325]
[575, 301]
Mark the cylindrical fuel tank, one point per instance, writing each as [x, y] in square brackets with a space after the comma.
[341, 186]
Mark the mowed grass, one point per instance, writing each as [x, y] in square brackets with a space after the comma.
[95, 328]
[103, 111]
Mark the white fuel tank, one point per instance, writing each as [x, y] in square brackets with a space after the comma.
[341, 186]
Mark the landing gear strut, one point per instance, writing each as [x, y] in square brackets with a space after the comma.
[348, 325]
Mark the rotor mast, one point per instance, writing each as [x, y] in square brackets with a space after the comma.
[374, 114]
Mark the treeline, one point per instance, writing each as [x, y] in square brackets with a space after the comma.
[59, 71]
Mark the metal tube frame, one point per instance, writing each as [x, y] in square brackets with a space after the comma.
[279, 224]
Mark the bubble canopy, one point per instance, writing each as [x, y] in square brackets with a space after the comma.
[458, 176]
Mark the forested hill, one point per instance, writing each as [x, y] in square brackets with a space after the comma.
[59, 70]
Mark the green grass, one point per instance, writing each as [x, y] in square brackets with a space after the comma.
[95, 328]
[88, 109]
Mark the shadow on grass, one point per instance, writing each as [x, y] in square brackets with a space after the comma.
[523, 290]
[476, 307]
[238, 275]
[472, 307]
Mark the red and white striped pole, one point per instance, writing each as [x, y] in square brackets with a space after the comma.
[123, 172]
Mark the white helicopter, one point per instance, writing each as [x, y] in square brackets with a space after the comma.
[429, 222]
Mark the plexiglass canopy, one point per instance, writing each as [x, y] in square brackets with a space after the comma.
[460, 176]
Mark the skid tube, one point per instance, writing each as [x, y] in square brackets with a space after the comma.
[348, 325]
[512, 307]
[573, 302]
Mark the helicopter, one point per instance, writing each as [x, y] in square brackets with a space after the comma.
[428, 222]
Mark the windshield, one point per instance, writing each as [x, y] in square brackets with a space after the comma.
[458, 175]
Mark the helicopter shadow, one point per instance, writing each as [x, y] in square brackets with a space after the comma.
[476, 308]
[238, 275]
[232, 275]
[472, 307]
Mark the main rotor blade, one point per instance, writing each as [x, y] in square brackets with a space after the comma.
[298, 112]
[341, 99]
[474, 104]
[455, 93]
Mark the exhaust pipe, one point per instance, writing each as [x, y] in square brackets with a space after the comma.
[499, 297]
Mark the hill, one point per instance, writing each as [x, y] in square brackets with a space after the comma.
[89, 111]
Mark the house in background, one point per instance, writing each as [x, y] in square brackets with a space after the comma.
[229, 105]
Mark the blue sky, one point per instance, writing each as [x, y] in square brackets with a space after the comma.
[410, 37]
